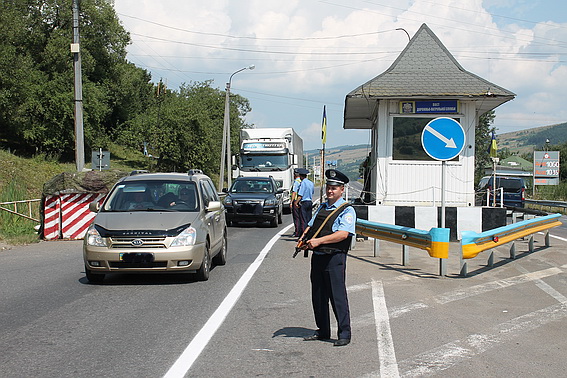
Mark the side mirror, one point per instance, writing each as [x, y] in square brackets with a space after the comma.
[214, 206]
[280, 191]
[225, 190]
[94, 206]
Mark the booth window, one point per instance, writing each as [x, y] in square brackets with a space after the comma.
[407, 138]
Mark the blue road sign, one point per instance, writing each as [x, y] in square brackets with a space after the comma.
[443, 138]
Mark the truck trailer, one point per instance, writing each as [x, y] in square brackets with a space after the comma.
[272, 152]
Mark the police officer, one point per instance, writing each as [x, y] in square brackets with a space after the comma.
[292, 204]
[304, 199]
[328, 262]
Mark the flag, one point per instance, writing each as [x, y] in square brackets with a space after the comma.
[324, 126]
[493, 147]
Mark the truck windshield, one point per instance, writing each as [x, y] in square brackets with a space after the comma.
[251, 162]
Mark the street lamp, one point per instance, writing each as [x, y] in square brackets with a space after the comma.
[404, 30]
[226, 132]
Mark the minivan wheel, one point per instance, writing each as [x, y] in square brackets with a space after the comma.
[94, 278]
[220, 258]
[204, 270]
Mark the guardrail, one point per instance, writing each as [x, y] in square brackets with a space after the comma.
[547, 203]
[16, 211]
[473, 243]
[434, 241]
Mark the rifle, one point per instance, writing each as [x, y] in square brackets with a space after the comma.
[303, 241]
[300, 244]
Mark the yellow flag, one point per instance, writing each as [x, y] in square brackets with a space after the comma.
[324, 126]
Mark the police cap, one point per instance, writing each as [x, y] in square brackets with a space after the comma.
[302, 171]
[335, 177]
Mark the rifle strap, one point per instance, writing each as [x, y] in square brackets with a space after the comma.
[343, 206]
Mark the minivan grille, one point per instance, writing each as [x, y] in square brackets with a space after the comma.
[126, 242]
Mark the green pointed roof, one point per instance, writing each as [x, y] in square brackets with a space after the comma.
[425, 69]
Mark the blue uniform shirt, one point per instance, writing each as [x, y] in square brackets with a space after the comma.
[346, 221]
[306, 190]
[296, 184]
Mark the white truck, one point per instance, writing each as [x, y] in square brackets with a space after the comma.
[272, 152]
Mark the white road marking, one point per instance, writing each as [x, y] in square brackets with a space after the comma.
[441, 358]
[553, 236]
[386, 352]
[196, 346]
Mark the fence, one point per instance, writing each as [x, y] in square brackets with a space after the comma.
[16, 205]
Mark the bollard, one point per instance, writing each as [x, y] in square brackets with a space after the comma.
[531, 243]
[547, 238]
[491, 259]
[376, 247]
[405, 255]
[513, 251]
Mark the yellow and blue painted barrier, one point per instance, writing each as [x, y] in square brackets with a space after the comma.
[473, 243]
[434, 241]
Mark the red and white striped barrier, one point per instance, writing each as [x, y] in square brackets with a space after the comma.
[67, 216]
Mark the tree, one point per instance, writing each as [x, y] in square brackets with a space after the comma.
[483, 136]
[36, 75]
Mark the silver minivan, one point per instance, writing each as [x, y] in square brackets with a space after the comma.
[157, 223]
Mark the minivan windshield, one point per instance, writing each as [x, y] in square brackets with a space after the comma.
[153, 195]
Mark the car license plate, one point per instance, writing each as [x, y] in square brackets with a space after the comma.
[137, 257]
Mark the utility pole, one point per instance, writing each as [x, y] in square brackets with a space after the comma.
[75, 49]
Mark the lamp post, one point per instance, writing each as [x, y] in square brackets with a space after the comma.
[226, 132]
[404, 30]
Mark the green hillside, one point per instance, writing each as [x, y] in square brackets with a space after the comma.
[525, 141]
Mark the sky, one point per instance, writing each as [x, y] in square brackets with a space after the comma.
[311, 53]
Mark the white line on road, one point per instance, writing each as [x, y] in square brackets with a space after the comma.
[386, 352]
[196, 346]
[450, 354]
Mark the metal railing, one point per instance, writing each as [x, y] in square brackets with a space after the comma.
[473, 243]
[16, 208]
[434, 241]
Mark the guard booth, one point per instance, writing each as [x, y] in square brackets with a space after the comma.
[65, 202]
[425, 82]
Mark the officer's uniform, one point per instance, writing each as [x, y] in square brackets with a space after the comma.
[294, 209]
[306, 190]
[328, 265]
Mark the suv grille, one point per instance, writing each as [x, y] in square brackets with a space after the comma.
[126, 242]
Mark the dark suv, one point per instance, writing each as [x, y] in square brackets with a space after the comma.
[512, 188]
[254, 199]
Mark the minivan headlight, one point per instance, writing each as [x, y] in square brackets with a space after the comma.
[271, 202]
[186, 238]
[94, 238]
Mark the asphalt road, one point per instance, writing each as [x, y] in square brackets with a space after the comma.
[250, 317]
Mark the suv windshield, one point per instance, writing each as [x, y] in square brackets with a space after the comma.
[153, 195]
[252, 186]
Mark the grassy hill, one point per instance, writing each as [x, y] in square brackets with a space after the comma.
[348, 158]
[525, 141]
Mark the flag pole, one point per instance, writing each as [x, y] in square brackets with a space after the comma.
[323, 141]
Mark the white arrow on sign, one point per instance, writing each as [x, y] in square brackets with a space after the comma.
[449, 143]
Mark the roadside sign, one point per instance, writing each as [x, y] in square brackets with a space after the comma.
[546, 167]
[443, 138]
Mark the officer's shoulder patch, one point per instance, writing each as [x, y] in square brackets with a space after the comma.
[349, 218]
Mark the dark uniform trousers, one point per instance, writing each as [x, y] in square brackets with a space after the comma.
[305, 214]
[328, 273]
[296, 220]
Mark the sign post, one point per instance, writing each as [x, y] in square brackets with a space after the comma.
[443, 139]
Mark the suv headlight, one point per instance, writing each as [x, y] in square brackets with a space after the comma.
[227, 200]
[271, 202]
[186, 238]
[94, 238]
